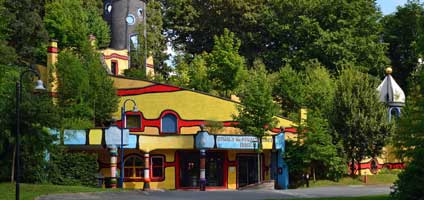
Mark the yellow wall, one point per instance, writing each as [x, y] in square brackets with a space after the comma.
[120, 82]
[122, 63]
[189, 105]
[149, 143]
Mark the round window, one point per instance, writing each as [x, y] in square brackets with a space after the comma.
[108, 8]
[130, 19]
[140, 12]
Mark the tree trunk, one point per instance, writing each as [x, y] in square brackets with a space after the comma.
[352, 167]
[313, 173]
[12, 176]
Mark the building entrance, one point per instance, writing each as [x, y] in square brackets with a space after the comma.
[189, 169]
[215, 168]
[247, 170]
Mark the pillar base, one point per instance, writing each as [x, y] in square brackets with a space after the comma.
[202, 184]
[146, 186]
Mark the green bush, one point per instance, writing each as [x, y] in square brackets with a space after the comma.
[73, 168]
[411, 181]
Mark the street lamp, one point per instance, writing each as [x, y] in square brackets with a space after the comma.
[123, 126]
[39, 86]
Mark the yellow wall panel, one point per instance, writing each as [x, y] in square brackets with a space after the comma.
[232, 155]
[232, 181]
[189, 130]
[120, 82]
[168, 153]
[148, 143]
[168, 183]
[95, 136]
[151, 130]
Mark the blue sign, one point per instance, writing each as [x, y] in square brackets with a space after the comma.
[204, 140]
[74, 137]
[113, 136]
[236, 142]
[280, 141]
[132, 142]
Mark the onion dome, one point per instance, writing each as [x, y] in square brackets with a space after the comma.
[390, 92]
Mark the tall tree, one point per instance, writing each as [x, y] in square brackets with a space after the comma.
[401, 32]
[358, 118]
[72, 27]
[256, 114]
[27, 34]
[409, 140]
[226, 66]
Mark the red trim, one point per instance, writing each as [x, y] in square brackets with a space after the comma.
[149, 65]
[286, 130]
[115, 55]
[148, 89]
[52, 50]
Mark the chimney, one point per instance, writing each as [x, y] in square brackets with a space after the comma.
[150, 70]
[52, 55]
[303, 116]
[93, 41]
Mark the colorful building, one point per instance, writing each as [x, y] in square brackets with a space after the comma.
[176, 138]
[183, 139]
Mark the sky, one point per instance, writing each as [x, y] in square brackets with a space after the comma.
[389, 6]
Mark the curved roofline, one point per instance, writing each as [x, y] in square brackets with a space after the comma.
[192, 90]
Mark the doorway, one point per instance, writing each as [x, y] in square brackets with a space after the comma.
[247, 169]
[189, 169]
[215, 169]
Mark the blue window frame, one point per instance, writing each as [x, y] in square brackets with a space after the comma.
[169, 123]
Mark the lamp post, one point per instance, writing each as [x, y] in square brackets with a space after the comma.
[123, 126]
[39, 86]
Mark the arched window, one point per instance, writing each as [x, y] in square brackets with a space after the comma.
[134, 167]
[169, 123]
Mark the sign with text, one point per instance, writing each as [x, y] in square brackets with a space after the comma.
[236, 142]
[242, 142]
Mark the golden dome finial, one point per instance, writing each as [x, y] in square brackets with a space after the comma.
[389, 70]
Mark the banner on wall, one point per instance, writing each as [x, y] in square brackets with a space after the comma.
[242, 142]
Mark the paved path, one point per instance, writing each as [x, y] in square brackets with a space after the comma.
[334, 191]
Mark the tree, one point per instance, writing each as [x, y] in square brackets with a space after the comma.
[321, 155]
[409, 142]
[256, 114]
[72, 27]
[192, 24]
[336, 33]
[358, 118]
[25, 28]
[401, 32]
[226, 66]
[86, 94]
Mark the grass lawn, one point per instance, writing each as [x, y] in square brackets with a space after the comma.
[30, 191]
[378, 197]
[373, 180]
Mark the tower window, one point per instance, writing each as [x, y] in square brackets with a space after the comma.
[108, 8]
[130, 19]
[140, 12]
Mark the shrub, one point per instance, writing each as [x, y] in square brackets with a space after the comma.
[73, 168]
[411, 181]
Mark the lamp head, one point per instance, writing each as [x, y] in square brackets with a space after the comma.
[40, 85]
[135, 109]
